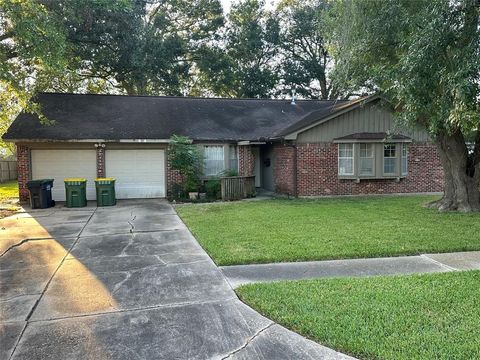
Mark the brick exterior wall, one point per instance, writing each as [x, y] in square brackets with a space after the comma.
[100, 162]
[318, 173]
[246, 160]
[172, 176]
[23, 171]
[284, 169]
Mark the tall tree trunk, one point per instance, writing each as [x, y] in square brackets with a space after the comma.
[462, 191]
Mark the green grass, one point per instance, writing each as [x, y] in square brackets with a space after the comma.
[398, 317]
[8, 190]
[297, 230]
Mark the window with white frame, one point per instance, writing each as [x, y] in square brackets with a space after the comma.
[233, 153]
[345, 159]
[214, 159]
[367, 160]
[389, 159]
[404, 159]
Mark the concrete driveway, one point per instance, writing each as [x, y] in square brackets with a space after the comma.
[125, 282]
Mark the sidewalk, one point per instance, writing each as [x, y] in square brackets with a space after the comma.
[426, 263]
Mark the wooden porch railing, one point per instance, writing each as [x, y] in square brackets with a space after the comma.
[237, 187]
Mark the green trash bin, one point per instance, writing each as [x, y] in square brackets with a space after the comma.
[105, 191]
[76, 192]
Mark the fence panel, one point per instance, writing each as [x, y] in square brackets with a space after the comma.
[8, 170]
[237, 187]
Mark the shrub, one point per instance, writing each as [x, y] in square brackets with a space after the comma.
[188, 160]
[213, 189]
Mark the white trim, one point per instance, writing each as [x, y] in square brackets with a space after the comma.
[355, 141]
[247, 142]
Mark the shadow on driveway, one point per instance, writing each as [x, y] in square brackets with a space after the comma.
[125, 282]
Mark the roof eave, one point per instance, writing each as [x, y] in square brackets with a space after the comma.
[90, 140]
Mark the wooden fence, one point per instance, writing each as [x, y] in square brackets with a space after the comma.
[237, 187]
[8, 170]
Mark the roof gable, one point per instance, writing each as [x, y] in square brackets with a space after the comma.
[319, 117]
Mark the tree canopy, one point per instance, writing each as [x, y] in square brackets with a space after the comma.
[242, 63]
[424, 56]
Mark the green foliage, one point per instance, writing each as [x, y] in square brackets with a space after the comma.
[243, 65]
[119, 46]
[423, 55]
[416, 317]
[229, 172]
[303, 230]
[188, 160]
[213, 189]
[306, 62]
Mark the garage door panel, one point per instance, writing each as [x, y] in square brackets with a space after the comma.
[61, 164]
[138, 173]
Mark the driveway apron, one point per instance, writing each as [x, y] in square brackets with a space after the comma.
[125, 282]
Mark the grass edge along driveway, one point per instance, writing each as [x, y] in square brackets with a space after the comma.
[283, 230]
[431, 316]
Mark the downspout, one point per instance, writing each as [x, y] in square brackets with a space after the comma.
[295, 171]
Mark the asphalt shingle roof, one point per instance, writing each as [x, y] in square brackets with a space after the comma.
[114, 117]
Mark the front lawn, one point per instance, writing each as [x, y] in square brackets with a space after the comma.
[296, 230]
[8, 190]
[399, 317]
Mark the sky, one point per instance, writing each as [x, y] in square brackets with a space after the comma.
[269, 4]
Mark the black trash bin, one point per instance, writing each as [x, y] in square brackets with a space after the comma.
[40, 193]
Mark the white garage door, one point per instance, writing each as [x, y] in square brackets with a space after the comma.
[61, 164]
[138, 173]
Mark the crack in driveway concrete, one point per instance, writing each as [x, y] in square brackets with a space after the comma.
[156, 305]
[24, 241]
[248, 341]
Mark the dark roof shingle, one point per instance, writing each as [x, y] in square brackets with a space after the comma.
[115, 117]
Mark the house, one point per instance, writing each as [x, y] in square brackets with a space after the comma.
[302, 148]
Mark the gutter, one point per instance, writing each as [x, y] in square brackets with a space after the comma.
[136, 141]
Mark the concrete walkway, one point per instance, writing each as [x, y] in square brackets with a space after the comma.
[426, 263]
[125, 282]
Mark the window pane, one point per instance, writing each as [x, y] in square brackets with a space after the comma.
[233, 158]
[366, 166]
[345, 150]
[214, 160]
[366, 150]
[366, 159]
[389, 159]
[345, 166]
[389, 150]
[345, 159]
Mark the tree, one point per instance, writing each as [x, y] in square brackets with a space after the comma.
[425, 57]
[140, 47]
[241, 64]
[306, 62]
[119, 46]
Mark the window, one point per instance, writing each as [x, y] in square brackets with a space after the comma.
[404, 159]
[345, 159]
[233, 158]
[389, 159]
[367, 159]
[214, 159]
